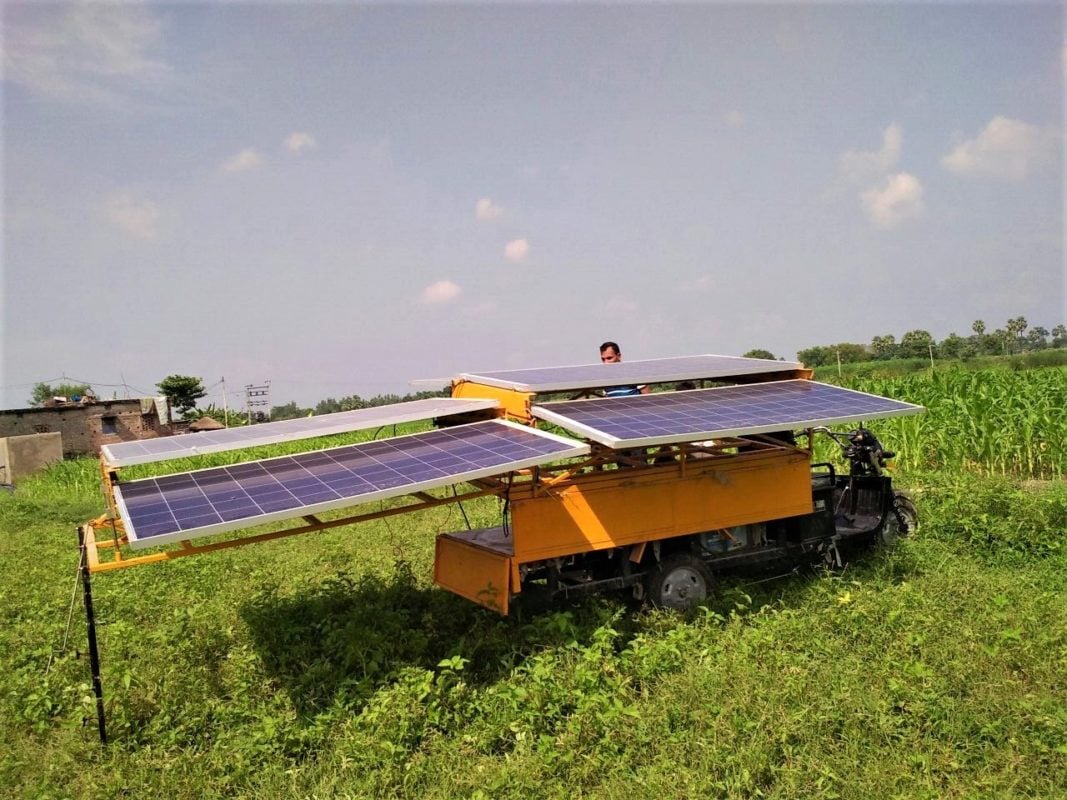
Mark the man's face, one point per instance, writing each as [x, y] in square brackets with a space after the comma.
[610, 355]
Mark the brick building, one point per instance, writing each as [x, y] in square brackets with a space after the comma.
[87, 426]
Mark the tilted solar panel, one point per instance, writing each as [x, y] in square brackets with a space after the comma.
[192, 504]
[655, 370]
[144, 451]
[669, 417]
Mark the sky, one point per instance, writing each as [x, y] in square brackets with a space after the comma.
[342, 198]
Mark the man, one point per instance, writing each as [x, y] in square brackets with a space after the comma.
[611, 354]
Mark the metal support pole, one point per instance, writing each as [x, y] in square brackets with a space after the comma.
[90, 626]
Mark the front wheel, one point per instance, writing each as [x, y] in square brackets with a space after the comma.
[902, 520]
[679, 582]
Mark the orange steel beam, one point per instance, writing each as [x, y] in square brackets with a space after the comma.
[189, 549]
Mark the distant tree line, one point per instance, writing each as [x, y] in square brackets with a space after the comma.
[351, 403]
[1015, 337]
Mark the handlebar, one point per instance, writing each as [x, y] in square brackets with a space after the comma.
[861, 448]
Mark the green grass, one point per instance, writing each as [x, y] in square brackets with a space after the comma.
[327, 665]
[1035, 359]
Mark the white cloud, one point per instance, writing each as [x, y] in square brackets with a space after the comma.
[485, 210]
[899, 198]
[245, 160]
[858, 166]
[516, 249]
[297, 141]
[440, 292]
[86, 52]
[1008, 149]
[735, 119]
[138, 218]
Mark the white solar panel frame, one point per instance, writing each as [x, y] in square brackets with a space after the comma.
[574, 449]
[615, 443]
[125, 454]
[669, 371]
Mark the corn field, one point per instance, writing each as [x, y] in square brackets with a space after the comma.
[993, 422]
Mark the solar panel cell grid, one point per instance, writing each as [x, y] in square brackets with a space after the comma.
[655, 370]
[149, 450]
[726, 411]
[158, 510]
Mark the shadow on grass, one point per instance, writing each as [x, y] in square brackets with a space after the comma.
[353, 636]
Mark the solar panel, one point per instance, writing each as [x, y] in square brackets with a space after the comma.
[147, 450]
[669, 417]
[193, 504]
[655, 370]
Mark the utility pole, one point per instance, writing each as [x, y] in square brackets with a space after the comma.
[225, 404]
[256, 396]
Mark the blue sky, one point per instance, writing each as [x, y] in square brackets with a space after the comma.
[341, 198]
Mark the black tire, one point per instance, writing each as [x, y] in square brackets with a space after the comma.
[902, 520]
[680, 581]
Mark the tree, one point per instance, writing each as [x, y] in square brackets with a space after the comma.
[1037, 338]
[953, 346]
[182, 392]
[999, 340]
[43, 391]
[916, 344]
[288, 411]
[978, 326]
[884, 347]
[1015, 328]
[757, 353]
[850, 352]
[1059, 336]
[817, 356]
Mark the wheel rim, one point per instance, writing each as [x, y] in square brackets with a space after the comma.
[901, 523]
[682, 587]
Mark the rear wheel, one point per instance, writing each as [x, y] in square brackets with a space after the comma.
[902, 520]
[680, 581]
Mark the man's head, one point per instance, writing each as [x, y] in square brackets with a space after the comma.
[610, 353]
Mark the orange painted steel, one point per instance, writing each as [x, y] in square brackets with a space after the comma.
[625, 507]
[188, 549]
[515, 405]
[601, 510]
[480, 572]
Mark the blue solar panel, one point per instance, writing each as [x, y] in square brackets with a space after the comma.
[124, 454]
[670, 417]
[192, 504]
[656, 370]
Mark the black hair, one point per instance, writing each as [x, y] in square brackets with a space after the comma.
[612, 345]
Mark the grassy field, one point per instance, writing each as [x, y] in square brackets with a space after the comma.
[328, 666]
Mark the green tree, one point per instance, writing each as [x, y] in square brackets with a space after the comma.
[757, 353]
[1015, 328]
[288, 411]
[850, 352]
[327, 406]
[1037, 338]
[916, 344]
[1059, 336]
[182, 392]
[43, 391]
[954, 346]
[884, 347]
[817, 356]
